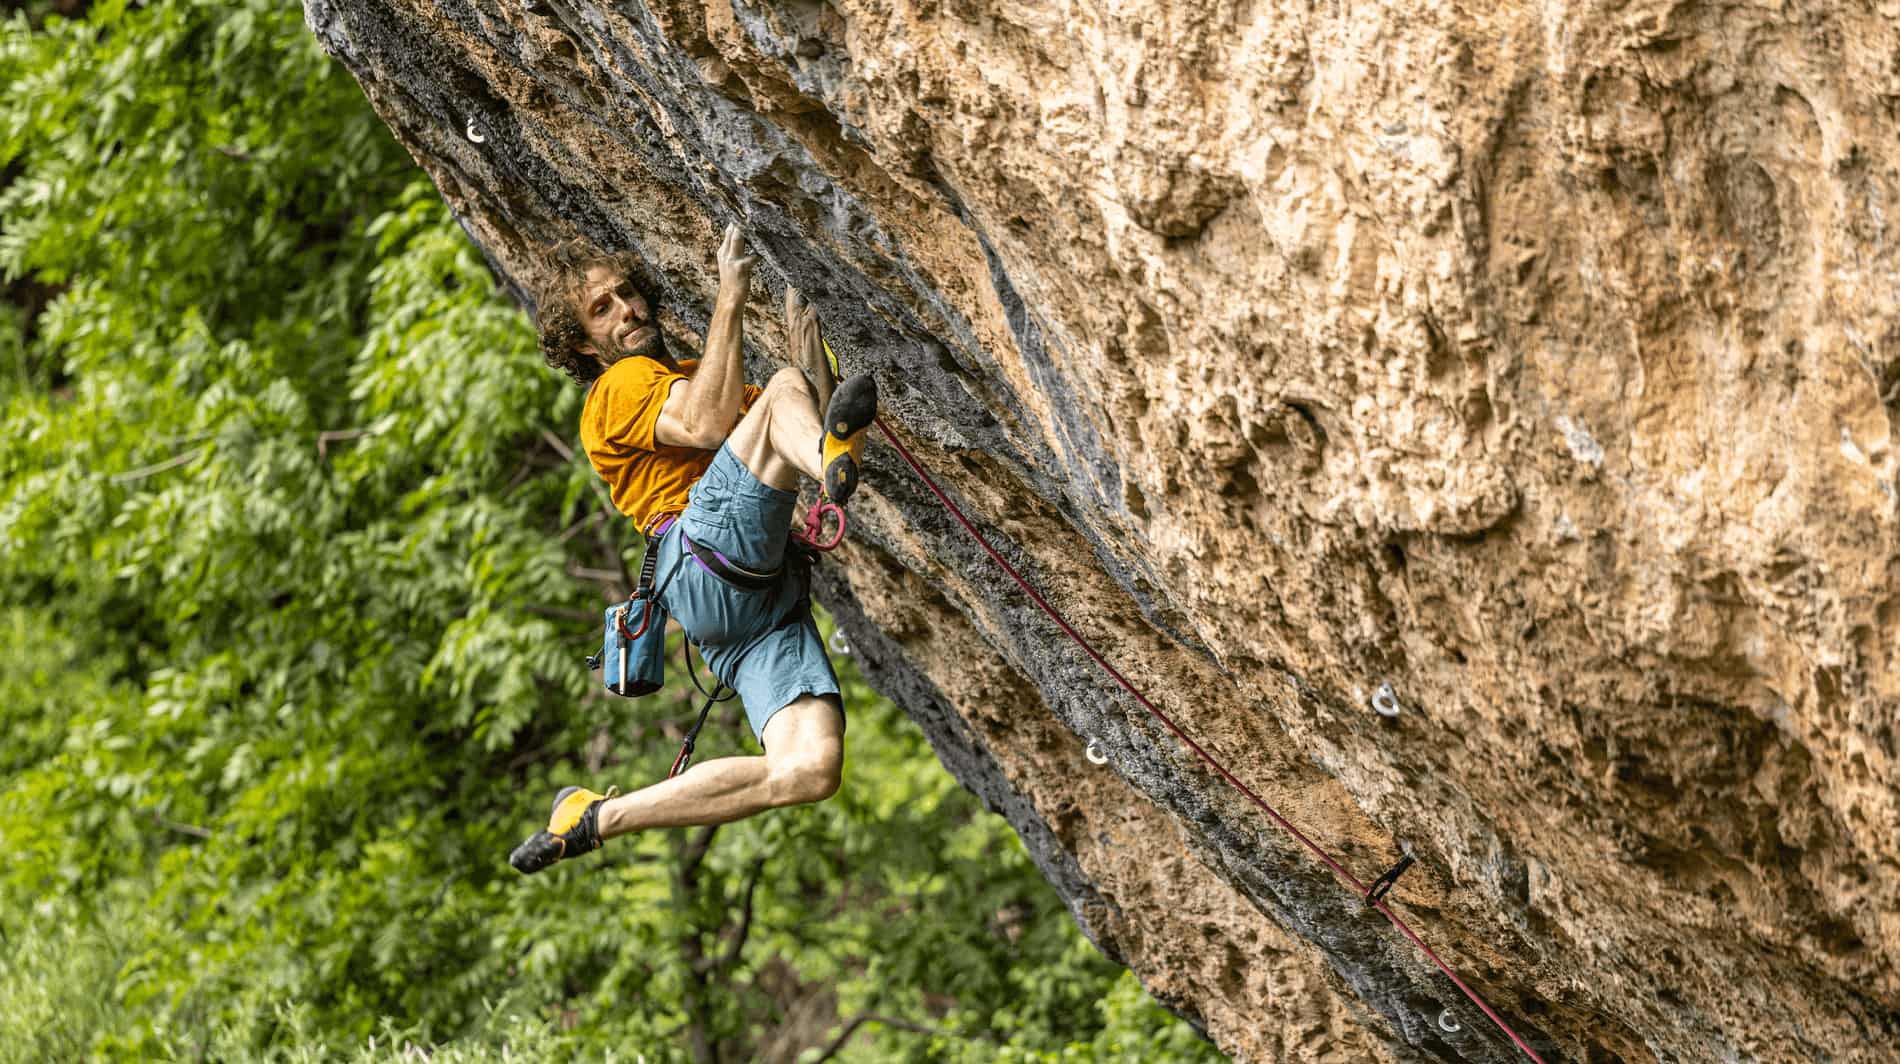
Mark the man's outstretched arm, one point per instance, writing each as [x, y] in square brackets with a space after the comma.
[702, 411]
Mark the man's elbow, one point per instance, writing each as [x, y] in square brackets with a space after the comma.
[705, 435]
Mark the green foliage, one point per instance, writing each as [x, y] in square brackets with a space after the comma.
[289, 538]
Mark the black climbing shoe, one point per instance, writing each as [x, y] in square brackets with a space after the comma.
[573, 829]
[852, 409]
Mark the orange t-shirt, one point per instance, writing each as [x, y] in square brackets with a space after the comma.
[645, 477]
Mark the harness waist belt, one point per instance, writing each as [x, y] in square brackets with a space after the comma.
[730, 571]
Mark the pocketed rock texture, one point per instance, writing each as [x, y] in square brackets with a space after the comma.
[1535, 364]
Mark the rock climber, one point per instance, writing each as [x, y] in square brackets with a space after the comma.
[707, 465]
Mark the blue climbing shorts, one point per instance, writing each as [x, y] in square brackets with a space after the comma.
[763, 644]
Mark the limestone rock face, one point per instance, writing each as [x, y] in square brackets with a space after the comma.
[1535, 363]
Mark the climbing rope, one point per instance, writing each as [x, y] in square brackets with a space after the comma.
[1376, 900]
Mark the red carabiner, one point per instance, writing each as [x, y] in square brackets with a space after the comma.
[814, 531]
[646, 618]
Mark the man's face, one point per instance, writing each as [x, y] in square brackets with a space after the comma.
[617, 318]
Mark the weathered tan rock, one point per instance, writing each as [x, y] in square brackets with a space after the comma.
[1539, 361]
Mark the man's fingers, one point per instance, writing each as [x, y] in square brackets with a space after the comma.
[734, 264]
[794, 303]
[734, 244]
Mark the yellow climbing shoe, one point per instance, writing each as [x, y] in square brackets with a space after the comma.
[573, 829]
[852, 409]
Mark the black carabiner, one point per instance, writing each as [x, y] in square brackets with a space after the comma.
[1384, 884]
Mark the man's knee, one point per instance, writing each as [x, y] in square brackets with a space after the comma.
[804, 750]
[789, 380]
[804, 764]
[782, 385]
[808, 774]
[750, 437]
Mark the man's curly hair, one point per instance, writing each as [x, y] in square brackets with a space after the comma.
[557, 304]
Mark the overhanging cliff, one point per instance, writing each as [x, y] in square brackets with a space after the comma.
[1537, 363]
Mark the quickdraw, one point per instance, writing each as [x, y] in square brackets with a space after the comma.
[1384, 884]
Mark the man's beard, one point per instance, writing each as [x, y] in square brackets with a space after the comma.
[653, 347]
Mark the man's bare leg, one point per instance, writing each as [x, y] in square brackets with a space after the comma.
[804, 757]
[778, 439]
[803, 762]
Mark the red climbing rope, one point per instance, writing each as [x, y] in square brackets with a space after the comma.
[1319, 852]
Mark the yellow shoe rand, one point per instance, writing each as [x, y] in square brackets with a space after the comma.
[836, 448]
[572, 806]
[841, 459]
[570, 833]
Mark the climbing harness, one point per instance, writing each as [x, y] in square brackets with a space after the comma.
[749, 580]
[716, 563]
[1373, 895]
[637, 655]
